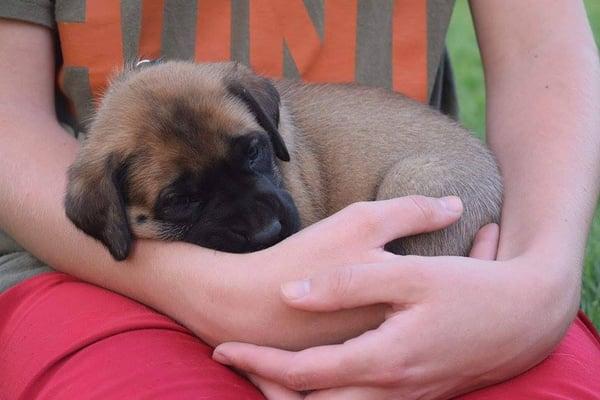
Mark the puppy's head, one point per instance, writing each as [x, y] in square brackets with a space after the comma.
[179, 151]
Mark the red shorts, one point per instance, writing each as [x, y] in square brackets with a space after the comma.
[64, 339]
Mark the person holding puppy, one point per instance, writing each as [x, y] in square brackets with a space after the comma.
[489, 320]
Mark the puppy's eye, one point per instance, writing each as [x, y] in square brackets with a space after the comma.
[179, 207]
[178, 200]
[252, 152]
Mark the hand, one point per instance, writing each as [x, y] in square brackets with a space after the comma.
[453, 324]
[254, 311]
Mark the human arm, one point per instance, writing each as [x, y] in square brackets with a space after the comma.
[35, 152]
[543, 123]
[193, 285]
[542, 77]
[219, 296]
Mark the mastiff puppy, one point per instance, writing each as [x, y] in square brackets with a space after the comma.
[218, 156]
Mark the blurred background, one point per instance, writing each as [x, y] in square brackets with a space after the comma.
[464, 54]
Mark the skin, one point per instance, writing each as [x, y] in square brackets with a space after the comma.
[370, 370]
[548, 151]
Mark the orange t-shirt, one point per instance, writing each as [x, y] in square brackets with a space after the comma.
[397, 44]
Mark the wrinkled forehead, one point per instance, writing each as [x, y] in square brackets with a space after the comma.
[192, 125]
[179, 134]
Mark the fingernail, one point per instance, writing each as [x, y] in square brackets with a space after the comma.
[296, 289]
[220, 358]
[452, 204]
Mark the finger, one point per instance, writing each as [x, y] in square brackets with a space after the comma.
[396, 281]
[351, 393]
[274, 391]
[485, 244]
[314, 368]
[386, 220]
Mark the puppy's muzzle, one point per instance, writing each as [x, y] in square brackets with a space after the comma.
[268, 234]
[250, 223]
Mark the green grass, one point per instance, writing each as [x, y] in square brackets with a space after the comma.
[469, 79]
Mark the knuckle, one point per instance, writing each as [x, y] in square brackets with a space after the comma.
[419, 275]
[392, 376]
[359, 209]
[423, 207]
[340, 282]
[365, 217]
[390, 367]
[296, 379]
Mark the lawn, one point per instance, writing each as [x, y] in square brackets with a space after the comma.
[469, 79]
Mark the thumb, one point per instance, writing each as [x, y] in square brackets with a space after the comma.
[393, 282]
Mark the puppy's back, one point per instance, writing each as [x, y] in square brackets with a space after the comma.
[374, 144]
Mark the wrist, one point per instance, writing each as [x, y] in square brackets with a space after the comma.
[551, 287]
[200, 288]
[552, 248]
[537, 304]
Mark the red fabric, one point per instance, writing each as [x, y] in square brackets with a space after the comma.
[64, 339]
[571, 372]
[61, 338]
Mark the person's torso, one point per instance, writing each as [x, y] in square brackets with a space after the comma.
[395, 44]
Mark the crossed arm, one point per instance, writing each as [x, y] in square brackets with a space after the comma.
[219, 296]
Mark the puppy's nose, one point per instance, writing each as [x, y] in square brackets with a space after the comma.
[268, 234]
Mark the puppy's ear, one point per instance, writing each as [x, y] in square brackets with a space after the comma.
[95, 202]
[262, 99]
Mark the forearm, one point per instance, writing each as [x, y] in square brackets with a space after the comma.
[544, 126]
[232, 297]
[35, 155]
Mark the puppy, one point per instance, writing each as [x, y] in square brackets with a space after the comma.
[216, 155]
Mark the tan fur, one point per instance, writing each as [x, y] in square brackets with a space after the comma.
[357, 143]
[122, 126]
[347, 143]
